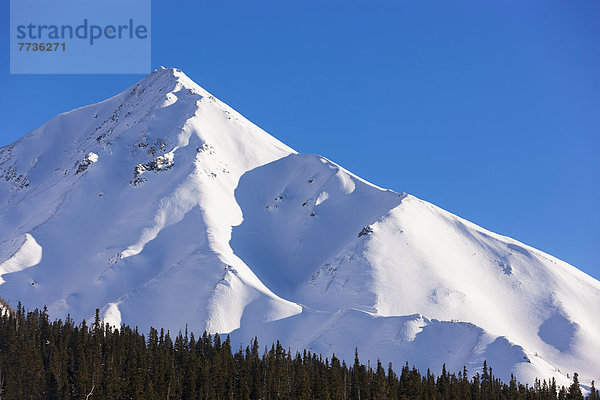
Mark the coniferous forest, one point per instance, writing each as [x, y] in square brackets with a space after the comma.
[40, 359]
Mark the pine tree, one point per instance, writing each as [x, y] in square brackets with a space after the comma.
[574, 392]
[594, 395]
[380, 383]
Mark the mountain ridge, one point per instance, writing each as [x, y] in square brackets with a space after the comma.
[163, 198]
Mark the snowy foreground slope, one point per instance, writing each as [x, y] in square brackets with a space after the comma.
[162, 206]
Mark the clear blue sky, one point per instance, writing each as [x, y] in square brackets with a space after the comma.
[488, 109]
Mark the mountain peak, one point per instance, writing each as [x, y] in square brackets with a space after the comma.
[174, 75]
[162, 117]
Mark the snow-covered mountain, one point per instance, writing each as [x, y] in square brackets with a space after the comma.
[164, 207]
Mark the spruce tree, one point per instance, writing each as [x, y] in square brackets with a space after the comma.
[594, 395]
[574, 392]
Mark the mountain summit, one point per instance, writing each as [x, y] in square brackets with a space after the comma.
[162, 207]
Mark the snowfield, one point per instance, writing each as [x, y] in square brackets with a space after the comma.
[163, 207]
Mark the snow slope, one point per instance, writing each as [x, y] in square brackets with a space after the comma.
[162, 206]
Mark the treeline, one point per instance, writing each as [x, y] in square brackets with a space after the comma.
[40, 359]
